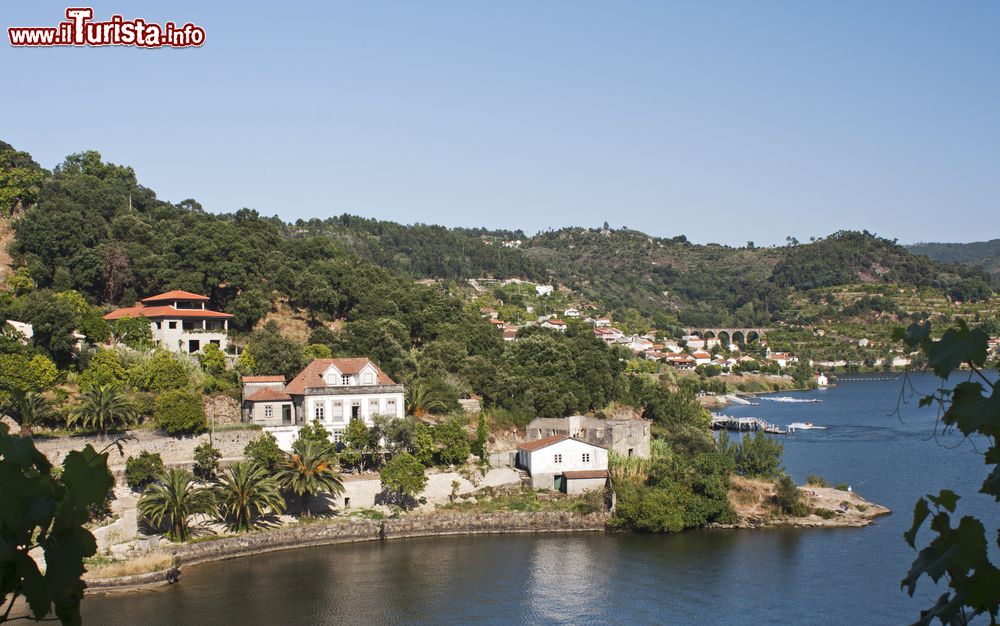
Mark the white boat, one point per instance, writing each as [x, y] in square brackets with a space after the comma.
[787, 399]
[805, 426]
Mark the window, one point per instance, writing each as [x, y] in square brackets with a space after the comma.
[369, 379]
[586, 457]
[159, 325]
[558, 458]
[172, 325]
[373, 407]
[390, 407]
[268, 411]
[345, 380]
[337, 436]
[338, 410]
[318, 412]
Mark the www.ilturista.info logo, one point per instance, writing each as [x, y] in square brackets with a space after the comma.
[79, 29]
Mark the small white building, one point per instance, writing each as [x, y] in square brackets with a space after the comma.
[571, 312]
[543, 290]
[554, 324]
[821, 380]
[564, 464]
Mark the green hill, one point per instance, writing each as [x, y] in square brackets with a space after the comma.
[983, 254]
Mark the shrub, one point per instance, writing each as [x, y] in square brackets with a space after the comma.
[179, 412]
[816, 481]
[265, 452]
[143, 470]
[825, 513]
[206, 461]
[841, 487]
[788, 498]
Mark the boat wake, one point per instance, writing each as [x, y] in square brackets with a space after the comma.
[794, 400]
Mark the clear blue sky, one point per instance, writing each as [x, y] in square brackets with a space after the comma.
[726, 122]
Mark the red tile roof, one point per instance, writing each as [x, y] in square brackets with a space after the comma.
[155, 312]
[312, 375]
[269, 395]
[264, 379]
[570, 475]
[177, 294]
[538, 444]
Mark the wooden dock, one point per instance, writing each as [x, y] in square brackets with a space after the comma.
[728, 422]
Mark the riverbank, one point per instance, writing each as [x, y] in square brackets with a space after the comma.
[828, 507]
[349, 531]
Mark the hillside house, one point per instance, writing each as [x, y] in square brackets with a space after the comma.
[564, 464]
[783, 359]
[571, 312]
[543, 290]
[701, 357]
[334, 392]
[554, 324]
[627, 437]
[180, 321]
[489, 313]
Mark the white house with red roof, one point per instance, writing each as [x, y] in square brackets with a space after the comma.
[554, 324]
[334, 392]
[564, 464]
[180, 320]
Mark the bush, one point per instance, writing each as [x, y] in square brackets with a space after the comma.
[825, 513]
[816, 481]
[143, 470]
[788, 498]
[265, 452]
[179, 413]
[206, 461]
[841, 487]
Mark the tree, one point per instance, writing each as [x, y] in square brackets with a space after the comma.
[41, 510]
[404, 475]
[103, 408]
[264, 451]
[421, 400]
[274, 353]
[28, 409]
[206, 461]
[53, 320]
[104, 368]
[244, 492]
[175, 499]
[212, 359]
[179, 412]
[479, 444]
[309, 471]
[20, 180]
[143, 470]
[134, 332]
[759, 456]
[162, 372]
[958, 554]
[20, 373]
[357, 445]
[452, 442]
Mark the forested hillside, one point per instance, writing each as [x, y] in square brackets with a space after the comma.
[984, 254]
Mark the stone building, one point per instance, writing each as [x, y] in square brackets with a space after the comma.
[564, 464]
[628, 437]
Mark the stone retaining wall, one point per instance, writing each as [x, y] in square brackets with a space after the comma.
[349, 531]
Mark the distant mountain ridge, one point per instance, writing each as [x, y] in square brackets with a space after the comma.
[984, 254]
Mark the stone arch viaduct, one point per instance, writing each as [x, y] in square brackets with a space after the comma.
[729, 335]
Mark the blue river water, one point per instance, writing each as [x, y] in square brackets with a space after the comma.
[774, 576]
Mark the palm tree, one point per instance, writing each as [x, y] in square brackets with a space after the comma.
[28, 409]
[421, 400]
[103, 408]
[244, 491]
[309, 471]
[175, 498]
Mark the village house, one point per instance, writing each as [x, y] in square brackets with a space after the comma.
[601, 322]
[488, 312]
[543, 290]
[639, 344]
[626, 436]
[554, 324]
[180, 321]
[334, 392]
[564, 464]
[783, 359]
[510, 334]
[571, 312]
[701, 357]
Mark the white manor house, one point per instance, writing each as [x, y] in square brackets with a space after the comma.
[334, 392]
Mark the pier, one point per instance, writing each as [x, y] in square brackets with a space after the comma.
[744, 424]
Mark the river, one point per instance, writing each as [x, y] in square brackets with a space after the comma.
[787, 576]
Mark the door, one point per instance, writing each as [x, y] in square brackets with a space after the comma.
[194, 345]
[286, 414]
[559, 484]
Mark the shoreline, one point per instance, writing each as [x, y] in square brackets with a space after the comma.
[417, 526]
